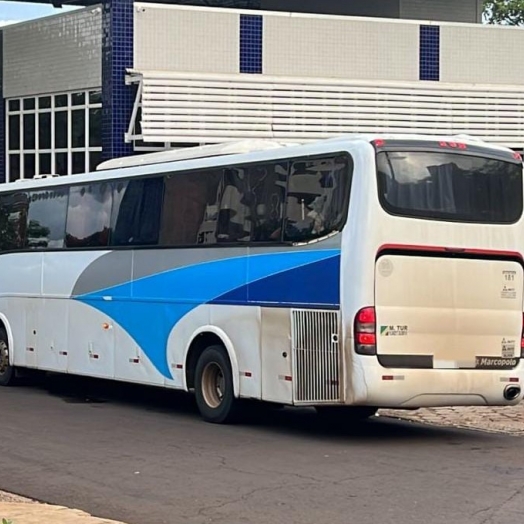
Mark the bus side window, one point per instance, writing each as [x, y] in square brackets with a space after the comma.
[317, 197]
[136, 215]
[13, 221]
[89, 215]
[47, 218]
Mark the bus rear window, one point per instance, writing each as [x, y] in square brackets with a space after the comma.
[450, 186]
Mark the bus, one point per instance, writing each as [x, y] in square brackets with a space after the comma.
[348, 275]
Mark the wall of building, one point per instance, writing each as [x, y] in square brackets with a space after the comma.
[468, 11]
[54, 54]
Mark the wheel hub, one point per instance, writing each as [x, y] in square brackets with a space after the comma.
[213, 384]
[4, 357]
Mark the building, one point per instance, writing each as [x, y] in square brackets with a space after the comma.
[116, 78]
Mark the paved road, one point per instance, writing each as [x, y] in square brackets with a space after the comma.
[144, 456]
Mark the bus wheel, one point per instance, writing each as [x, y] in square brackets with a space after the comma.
[214, 386]
[7, 372]
[344, 416]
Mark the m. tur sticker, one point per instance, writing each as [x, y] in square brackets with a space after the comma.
[393, 331]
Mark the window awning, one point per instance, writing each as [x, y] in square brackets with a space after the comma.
[212, 108]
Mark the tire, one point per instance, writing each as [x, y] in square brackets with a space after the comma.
[7, 372]
[344, 416]
[214, 387]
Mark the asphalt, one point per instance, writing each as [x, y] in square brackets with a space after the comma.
[142, 455]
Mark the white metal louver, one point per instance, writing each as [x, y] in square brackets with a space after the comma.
[212, 108]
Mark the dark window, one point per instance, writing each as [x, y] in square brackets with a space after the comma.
[14, 167]
[14, 132]
[79, 160]
[189, 213]
[78, 99]
[78, 118]
[47, 218]
[136, 218]
[29, 131]
[14, 105]
[89, 215]
[44, 102]
[95, 97]
[61, 130]
[29, 103]
[13, 219]
[29, 165]
[95, 157]
[44, 130]
[61, 163]
[45, 163]
[95, 127]
[450, 186]
[61, 101]
[317, 198]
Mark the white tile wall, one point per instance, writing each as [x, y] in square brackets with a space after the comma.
[54, 54]
[482, 55]
[173, 39]
[341, 48]
[444, 10]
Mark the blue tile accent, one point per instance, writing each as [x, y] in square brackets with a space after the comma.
[2, 112]
[117, 56]
[251, 29]
[429, 60]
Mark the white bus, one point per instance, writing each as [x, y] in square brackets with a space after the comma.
[348, 274]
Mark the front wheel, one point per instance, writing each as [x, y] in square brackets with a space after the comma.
[214, 386]
[7, 372]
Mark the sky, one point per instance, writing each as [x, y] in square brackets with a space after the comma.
[11, 12]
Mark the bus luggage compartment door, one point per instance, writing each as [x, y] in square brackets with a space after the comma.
[448, 312]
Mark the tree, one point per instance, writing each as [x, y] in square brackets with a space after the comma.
[508, 12]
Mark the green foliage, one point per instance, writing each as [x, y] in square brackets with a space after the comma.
[508, 12]
[5, 521]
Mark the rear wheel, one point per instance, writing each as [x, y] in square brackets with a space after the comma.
[345, 416]
[214, 386]
[7, 372]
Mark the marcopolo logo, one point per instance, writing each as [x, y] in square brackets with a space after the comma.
[496, 363]
[393, 331]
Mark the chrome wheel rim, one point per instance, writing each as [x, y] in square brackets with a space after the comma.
[213, 385]
[4, 357]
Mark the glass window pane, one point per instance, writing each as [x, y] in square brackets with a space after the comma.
[78, 99]
[95, 127]
[44, 102]
[46, 218]
[14, 105]
[61, 130]
[189, 213]
[29, 131]
[61, 164]
[79, 128]
[267, 183]
[79, 162]
[14, 132]
[45, 164]
[44, 130]
[61, 101]
[14, 167]
[317, 198]
[89, 215]
[13, 213]
[95, 157]
[29, 165]
[29, 103]
[95, 97]
[136, 220]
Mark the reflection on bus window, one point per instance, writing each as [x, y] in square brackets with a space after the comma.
[47, 218]
[317, 198]
[13, 221]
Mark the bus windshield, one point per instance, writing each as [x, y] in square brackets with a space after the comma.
[450, 186]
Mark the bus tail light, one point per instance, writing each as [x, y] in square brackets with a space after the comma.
[366, 332]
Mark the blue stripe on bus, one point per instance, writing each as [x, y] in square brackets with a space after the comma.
[155, 304]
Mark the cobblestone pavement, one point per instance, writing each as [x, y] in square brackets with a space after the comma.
[508, 419]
